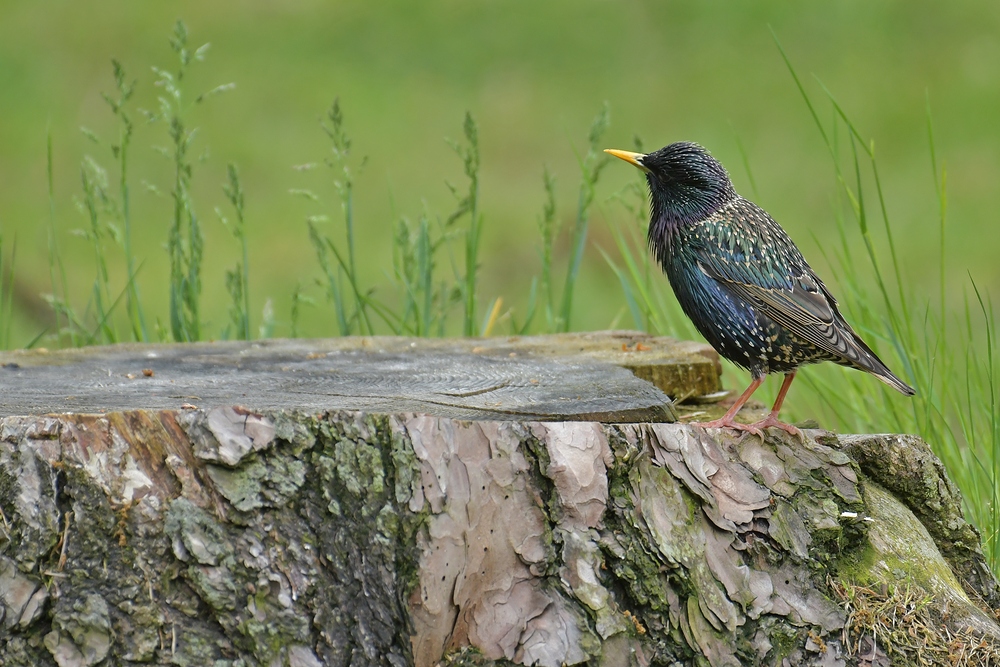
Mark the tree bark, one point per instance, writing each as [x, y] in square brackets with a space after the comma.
[234, 538]
[476, 528]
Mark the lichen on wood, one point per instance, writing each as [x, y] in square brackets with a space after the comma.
[906, 466]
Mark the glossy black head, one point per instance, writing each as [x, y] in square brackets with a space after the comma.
[685, 182]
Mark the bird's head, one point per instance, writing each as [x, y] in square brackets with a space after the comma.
[685, 182]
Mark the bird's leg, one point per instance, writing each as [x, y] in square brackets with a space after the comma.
[772, 419]
[727, 420]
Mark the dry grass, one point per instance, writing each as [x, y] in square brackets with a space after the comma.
[901, 625]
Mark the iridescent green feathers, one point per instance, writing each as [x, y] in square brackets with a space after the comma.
[747, 252]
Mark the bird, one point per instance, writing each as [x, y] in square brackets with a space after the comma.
[742, 281]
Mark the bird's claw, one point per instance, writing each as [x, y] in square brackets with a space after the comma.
[733, 424]
[772, 420]
[756, 428]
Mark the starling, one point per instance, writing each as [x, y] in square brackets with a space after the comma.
[741, 280]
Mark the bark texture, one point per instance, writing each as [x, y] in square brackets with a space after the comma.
[306, 538]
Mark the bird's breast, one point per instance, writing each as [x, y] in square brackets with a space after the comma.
[728, 323]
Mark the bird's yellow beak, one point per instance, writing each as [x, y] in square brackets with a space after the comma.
[628, 156]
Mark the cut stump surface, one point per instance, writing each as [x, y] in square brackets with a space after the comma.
[570, 376]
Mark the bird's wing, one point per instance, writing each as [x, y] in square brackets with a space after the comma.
[779, 284]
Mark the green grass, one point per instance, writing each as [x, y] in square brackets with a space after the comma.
[237, 279]
[590, 169]
[426, 274]
[349, 304]
[6, 295]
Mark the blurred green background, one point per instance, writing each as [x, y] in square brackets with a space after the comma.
[533, 74]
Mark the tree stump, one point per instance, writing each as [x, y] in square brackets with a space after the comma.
[409, 502]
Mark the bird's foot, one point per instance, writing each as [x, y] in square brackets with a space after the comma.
[731, 423]
[772, 420]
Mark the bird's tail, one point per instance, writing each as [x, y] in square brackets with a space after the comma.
[890, 379]
[870, 362]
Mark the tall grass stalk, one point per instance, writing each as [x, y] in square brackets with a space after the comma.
[468, 206]
[133, 303]
[58, 302]
[591, 166]
[108, 218]
[96, 201]
[185, 241]
[940, 185]
[342, 285]
[344, 184]
[425, 300]
[299, 298]
[334, 292]
[548, 228]
[237, 279]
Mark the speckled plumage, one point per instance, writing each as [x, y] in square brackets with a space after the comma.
[739, 277]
